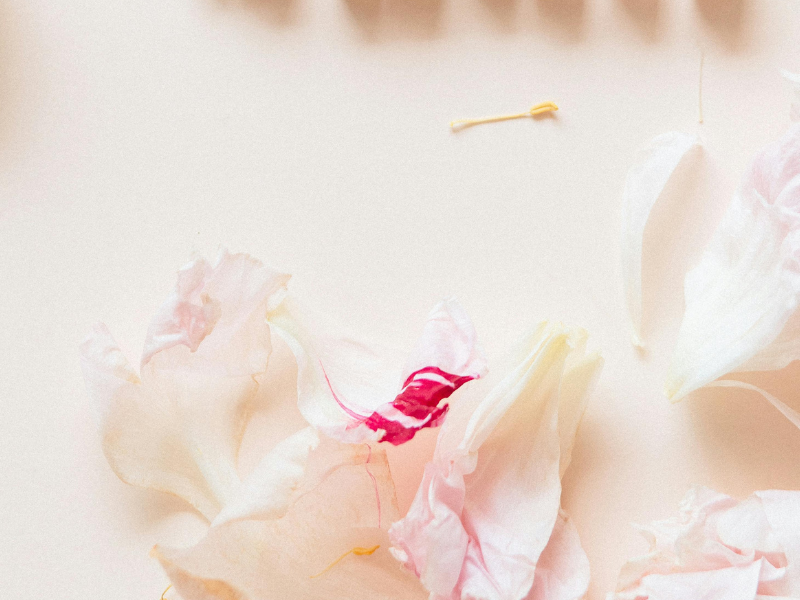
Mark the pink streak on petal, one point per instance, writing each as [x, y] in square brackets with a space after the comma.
[346, 409]
[375, 484]
[421, 399]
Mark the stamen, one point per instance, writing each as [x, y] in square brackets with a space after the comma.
[165, 591]
[538, 109]
[357, 551]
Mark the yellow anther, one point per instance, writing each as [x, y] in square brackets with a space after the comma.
[165, 591]
[358, 551]
[538, 109]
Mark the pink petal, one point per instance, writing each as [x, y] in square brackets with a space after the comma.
[489, 501]
[719, 547]
[223, 307]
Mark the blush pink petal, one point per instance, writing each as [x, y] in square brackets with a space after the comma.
[353, 393]
[489, 502]
[292, 557]
[719, 547]
[177, 429]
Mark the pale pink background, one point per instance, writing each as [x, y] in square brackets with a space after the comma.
[313, 134]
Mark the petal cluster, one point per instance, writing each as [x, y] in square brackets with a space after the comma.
[486, 521]
[720, 548]
[317, 517]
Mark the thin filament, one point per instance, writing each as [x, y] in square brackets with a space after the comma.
[165, 591]
[357, 551]
[374, 484]
[538, 109]
[784, 409]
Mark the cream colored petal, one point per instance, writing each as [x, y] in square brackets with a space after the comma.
[645, 182]
[288, 558]
[142, 436]
[489, 500]
[178, 429]
[271, 488]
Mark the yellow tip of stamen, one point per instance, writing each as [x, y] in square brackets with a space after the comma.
[165, 591]
[536, 109]
[357, 551]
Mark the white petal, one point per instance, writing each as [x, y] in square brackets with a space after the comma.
[178, 429]
[645, 182]
[280, 559]
[746, 288]
[489, 500]
[355, 394]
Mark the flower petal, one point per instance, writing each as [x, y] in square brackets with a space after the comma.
[562, 572]
[489, 499]
[217, 312]
[644, 184]
[782, 510]
[350, 392]
[178, 429]
[734, 583]
[272, 486]
[719, 547]
[746, 288]
[296, 556]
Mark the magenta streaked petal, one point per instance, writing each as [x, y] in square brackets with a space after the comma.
[419, 405]
[349, 392]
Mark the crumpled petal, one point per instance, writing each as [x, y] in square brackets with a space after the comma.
[645, 182]
[489, 502]
[293, 557]
[720, 548]
[178, 428]
[742, 298]
[794, 79]
[351, 393]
